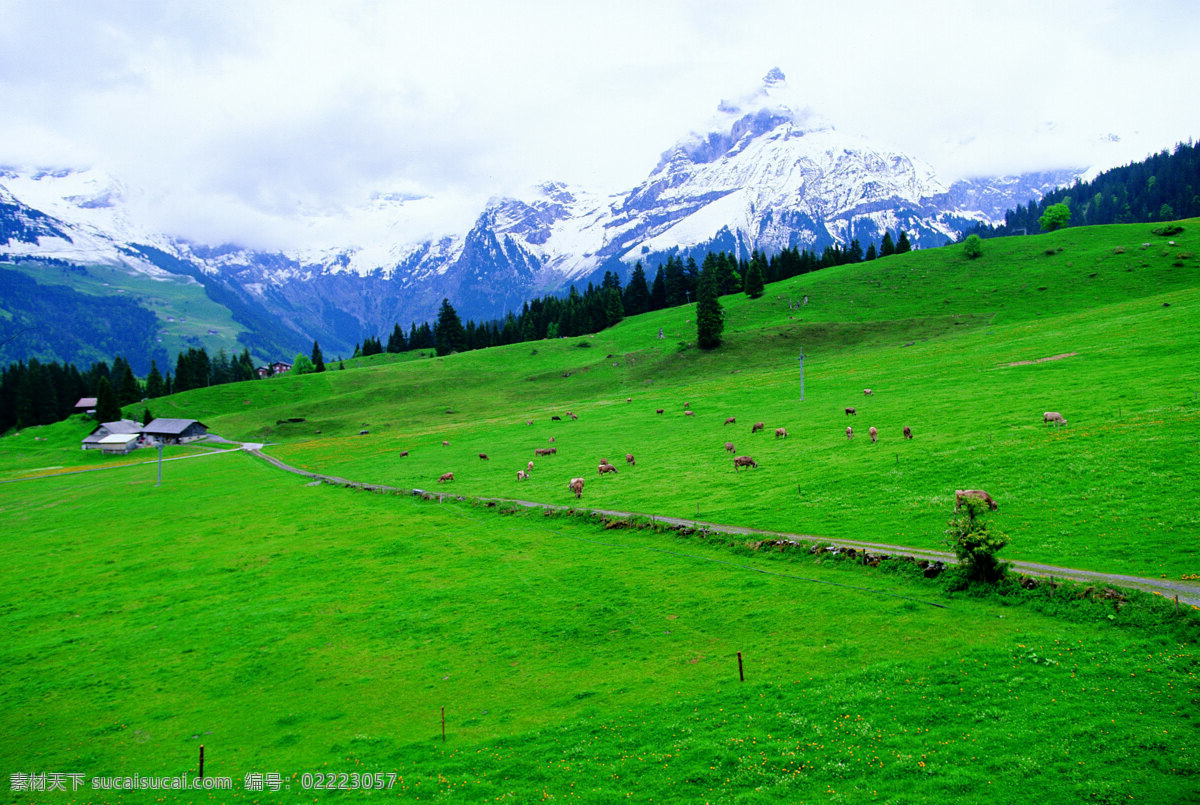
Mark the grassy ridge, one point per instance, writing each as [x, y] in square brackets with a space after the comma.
[586, 664]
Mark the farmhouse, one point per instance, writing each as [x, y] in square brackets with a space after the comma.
[175, 431]
[122, 426]
[120, 443]
[280, 367]
[86, 405]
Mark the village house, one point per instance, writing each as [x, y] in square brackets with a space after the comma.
[126, 427]
[175, 431]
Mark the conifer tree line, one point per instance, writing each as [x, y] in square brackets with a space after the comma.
[37, 393]
[1164, 187]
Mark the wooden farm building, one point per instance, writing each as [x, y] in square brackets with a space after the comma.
[122, 426]
[175, 431]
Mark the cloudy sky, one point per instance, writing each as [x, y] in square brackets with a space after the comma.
[235, 116]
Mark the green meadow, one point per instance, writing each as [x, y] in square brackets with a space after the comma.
[294, 628]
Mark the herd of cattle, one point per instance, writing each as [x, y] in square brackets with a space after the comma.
[604, 467]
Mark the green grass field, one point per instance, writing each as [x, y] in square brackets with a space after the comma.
[293, 628]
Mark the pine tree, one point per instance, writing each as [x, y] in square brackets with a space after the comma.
[674, 281]
[449, 334]
[107, 407]
[903, 245]
[710, 319]
[871, 255]
[146, 417]
[154, 382]
[318, 360]
[637, 293]
[658, 291]
[888, 247]
[754, 286]
[396, 341]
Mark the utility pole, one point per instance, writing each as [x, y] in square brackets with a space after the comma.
[160, 446]
[802, 356]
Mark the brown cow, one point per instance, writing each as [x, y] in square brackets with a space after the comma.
[851, 412]
[1053, 417]
[628, 399]
[756, 427]
[603, 468]
[781, 433]
[849, 432]
[529, 422]
[907, 432]
[483, 456]
[445, 444]
[576, 486]
[729, 448]
[658, 410]
[961, 495]
[874, 434]
[541, 451]
[573, 417]
[687, 406]
[689, 413]
[868, 393]
[629, 460]
[551, 439]
[744, 461]
[731, 421]
[522, 475]
[604, 461]
[529, 466]
[403, 453]
[449, 476]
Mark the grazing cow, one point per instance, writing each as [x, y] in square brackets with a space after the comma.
[541, 451]
[629, 460]
[874, 434]
[556, 419]
[868, 393]
[552, 439]
[403, 453]
[576, 486]
[851, 412]
[756, 427]
[729, 448]
[445, 444]
[961, 495]
[849, 432]
[1054, 417]
[689, 413]
[907, 432]
[449, 476]
[731, 421]
[604, 461]
[658, 410]
[687, 406]
[522, 475]
[628, 399]
[744, 461]
[529, 422]
[483, 456]
[573, 417]
[781, 433]
[529, 466]
[603, 468]
[551, 451]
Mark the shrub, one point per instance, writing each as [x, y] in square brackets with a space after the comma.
[973, 247]
[976, 543]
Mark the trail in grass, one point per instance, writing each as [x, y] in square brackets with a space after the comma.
[1187, 593]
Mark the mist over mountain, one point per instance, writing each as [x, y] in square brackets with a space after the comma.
[763, 176]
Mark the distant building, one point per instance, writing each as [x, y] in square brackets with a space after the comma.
[122, 426]
[86, 405]
[175, 431]
[263, 371]
[120, 443]
[280, 367]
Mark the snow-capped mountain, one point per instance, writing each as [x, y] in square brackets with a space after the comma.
[763, 176]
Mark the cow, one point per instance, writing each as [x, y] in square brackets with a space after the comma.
[449, 476]
[687, 406]
[550, 451]
[403, 453]
[541, 451]
[552, 440]
[868, 393]
[604, 461]
[529, 466]
[874, 434]
[961, 495]
[729, 448]
[529, 422]
[1053, 417]
[907, 432]
[445, 444]
[731, 421]
[744, 461]
[522, 475]
[756, 427]
[689, 413]
[629, 460]
[603, 468]
[851, 412]
[556, 419]
[658, 410]
[628, 399]
[781, 433]
[483, 456]
[573, 417]
[576, 486]
[849, 432]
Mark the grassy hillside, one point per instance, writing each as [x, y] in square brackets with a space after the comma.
[294, 629]
[955, 349]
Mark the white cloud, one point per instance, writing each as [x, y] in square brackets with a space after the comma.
[237, 115]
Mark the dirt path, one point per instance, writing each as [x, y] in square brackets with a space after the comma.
[1188, 593]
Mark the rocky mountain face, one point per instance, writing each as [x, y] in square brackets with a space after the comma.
[763, 176]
